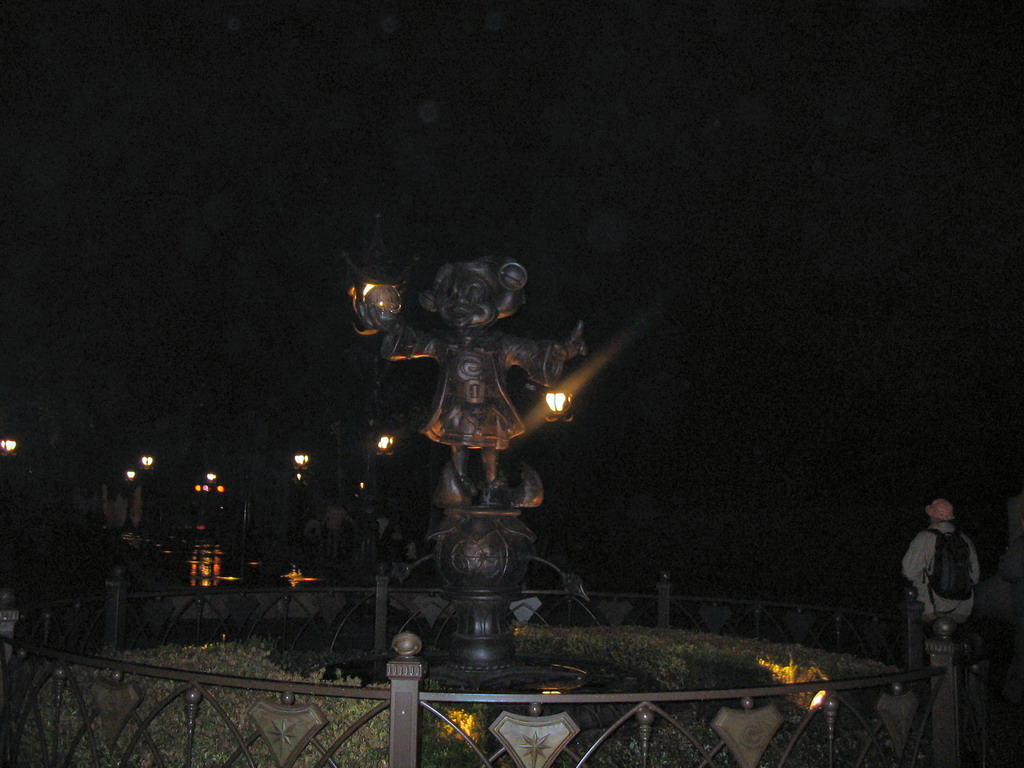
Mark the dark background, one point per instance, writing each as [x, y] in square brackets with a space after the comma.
[793, 232]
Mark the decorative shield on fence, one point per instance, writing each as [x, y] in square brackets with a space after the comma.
[747, 732]
[715, 616]
[241, 609]
[157, 615]
[798, 625]
[287, 729]
[615, 611]
[431, 607]
[115, 702]
[874, 634]
[524, 609]
[330, 607]
[534, 742]
[897, 712]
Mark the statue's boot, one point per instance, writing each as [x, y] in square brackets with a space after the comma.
[530, 492]
[453, 489]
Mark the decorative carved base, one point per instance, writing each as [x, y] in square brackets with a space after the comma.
[481, 555]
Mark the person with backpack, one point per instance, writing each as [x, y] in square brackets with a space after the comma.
[942, 564]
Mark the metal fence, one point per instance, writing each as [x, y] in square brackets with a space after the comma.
[336, 618]
[64, 705]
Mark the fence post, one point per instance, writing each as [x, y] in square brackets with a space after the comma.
[664, 598]
[946, 692]
[913, 629]
[380, 614]
[8, 621]
[115, 605]
[8, 618]
[405, 673]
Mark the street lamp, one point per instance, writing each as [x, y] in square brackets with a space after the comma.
[8, 447]
[385, 445]
[129, 475]
[300, 461]
[146, 462]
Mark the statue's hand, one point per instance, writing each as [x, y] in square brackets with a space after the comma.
[574, 345]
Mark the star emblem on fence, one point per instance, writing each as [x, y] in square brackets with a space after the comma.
[534, 745]
[534, 742]
[287, 729]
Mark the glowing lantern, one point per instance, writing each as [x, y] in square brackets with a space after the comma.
[558, 406]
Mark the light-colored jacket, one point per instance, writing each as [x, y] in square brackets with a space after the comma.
[918, 561]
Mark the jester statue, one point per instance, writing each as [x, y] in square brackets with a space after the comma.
[482, 548]
[472, 409]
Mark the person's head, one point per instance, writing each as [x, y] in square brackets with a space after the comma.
[940, 509]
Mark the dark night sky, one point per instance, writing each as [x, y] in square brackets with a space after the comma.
[815, 206]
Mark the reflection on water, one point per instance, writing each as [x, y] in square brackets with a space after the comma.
[206, 560]
[204, 565]
[295, 577]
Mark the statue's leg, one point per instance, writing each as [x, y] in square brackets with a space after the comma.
[489, 457]
[459, 459]
[454, 488]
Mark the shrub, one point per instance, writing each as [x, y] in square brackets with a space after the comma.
[683, 660]
[158, 727]
[673, 659]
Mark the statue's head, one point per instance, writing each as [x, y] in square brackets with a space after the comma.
[473, 294]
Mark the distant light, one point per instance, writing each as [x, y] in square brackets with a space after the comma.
[199, 488]
[220, 489]
[146, 462]
[300, 460]
[206, 489]
[200, 527]
[130, 474]
[8, 447]
[385, 444]
[211, 476]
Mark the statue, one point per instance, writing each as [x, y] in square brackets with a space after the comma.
[482, 547]
[471, 408]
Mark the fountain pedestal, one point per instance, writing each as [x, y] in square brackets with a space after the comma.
[482, 554]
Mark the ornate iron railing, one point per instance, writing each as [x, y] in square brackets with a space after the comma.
[64, 705]
[339, 618]
[67, 709]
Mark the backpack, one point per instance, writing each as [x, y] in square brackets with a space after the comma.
[950, 573]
